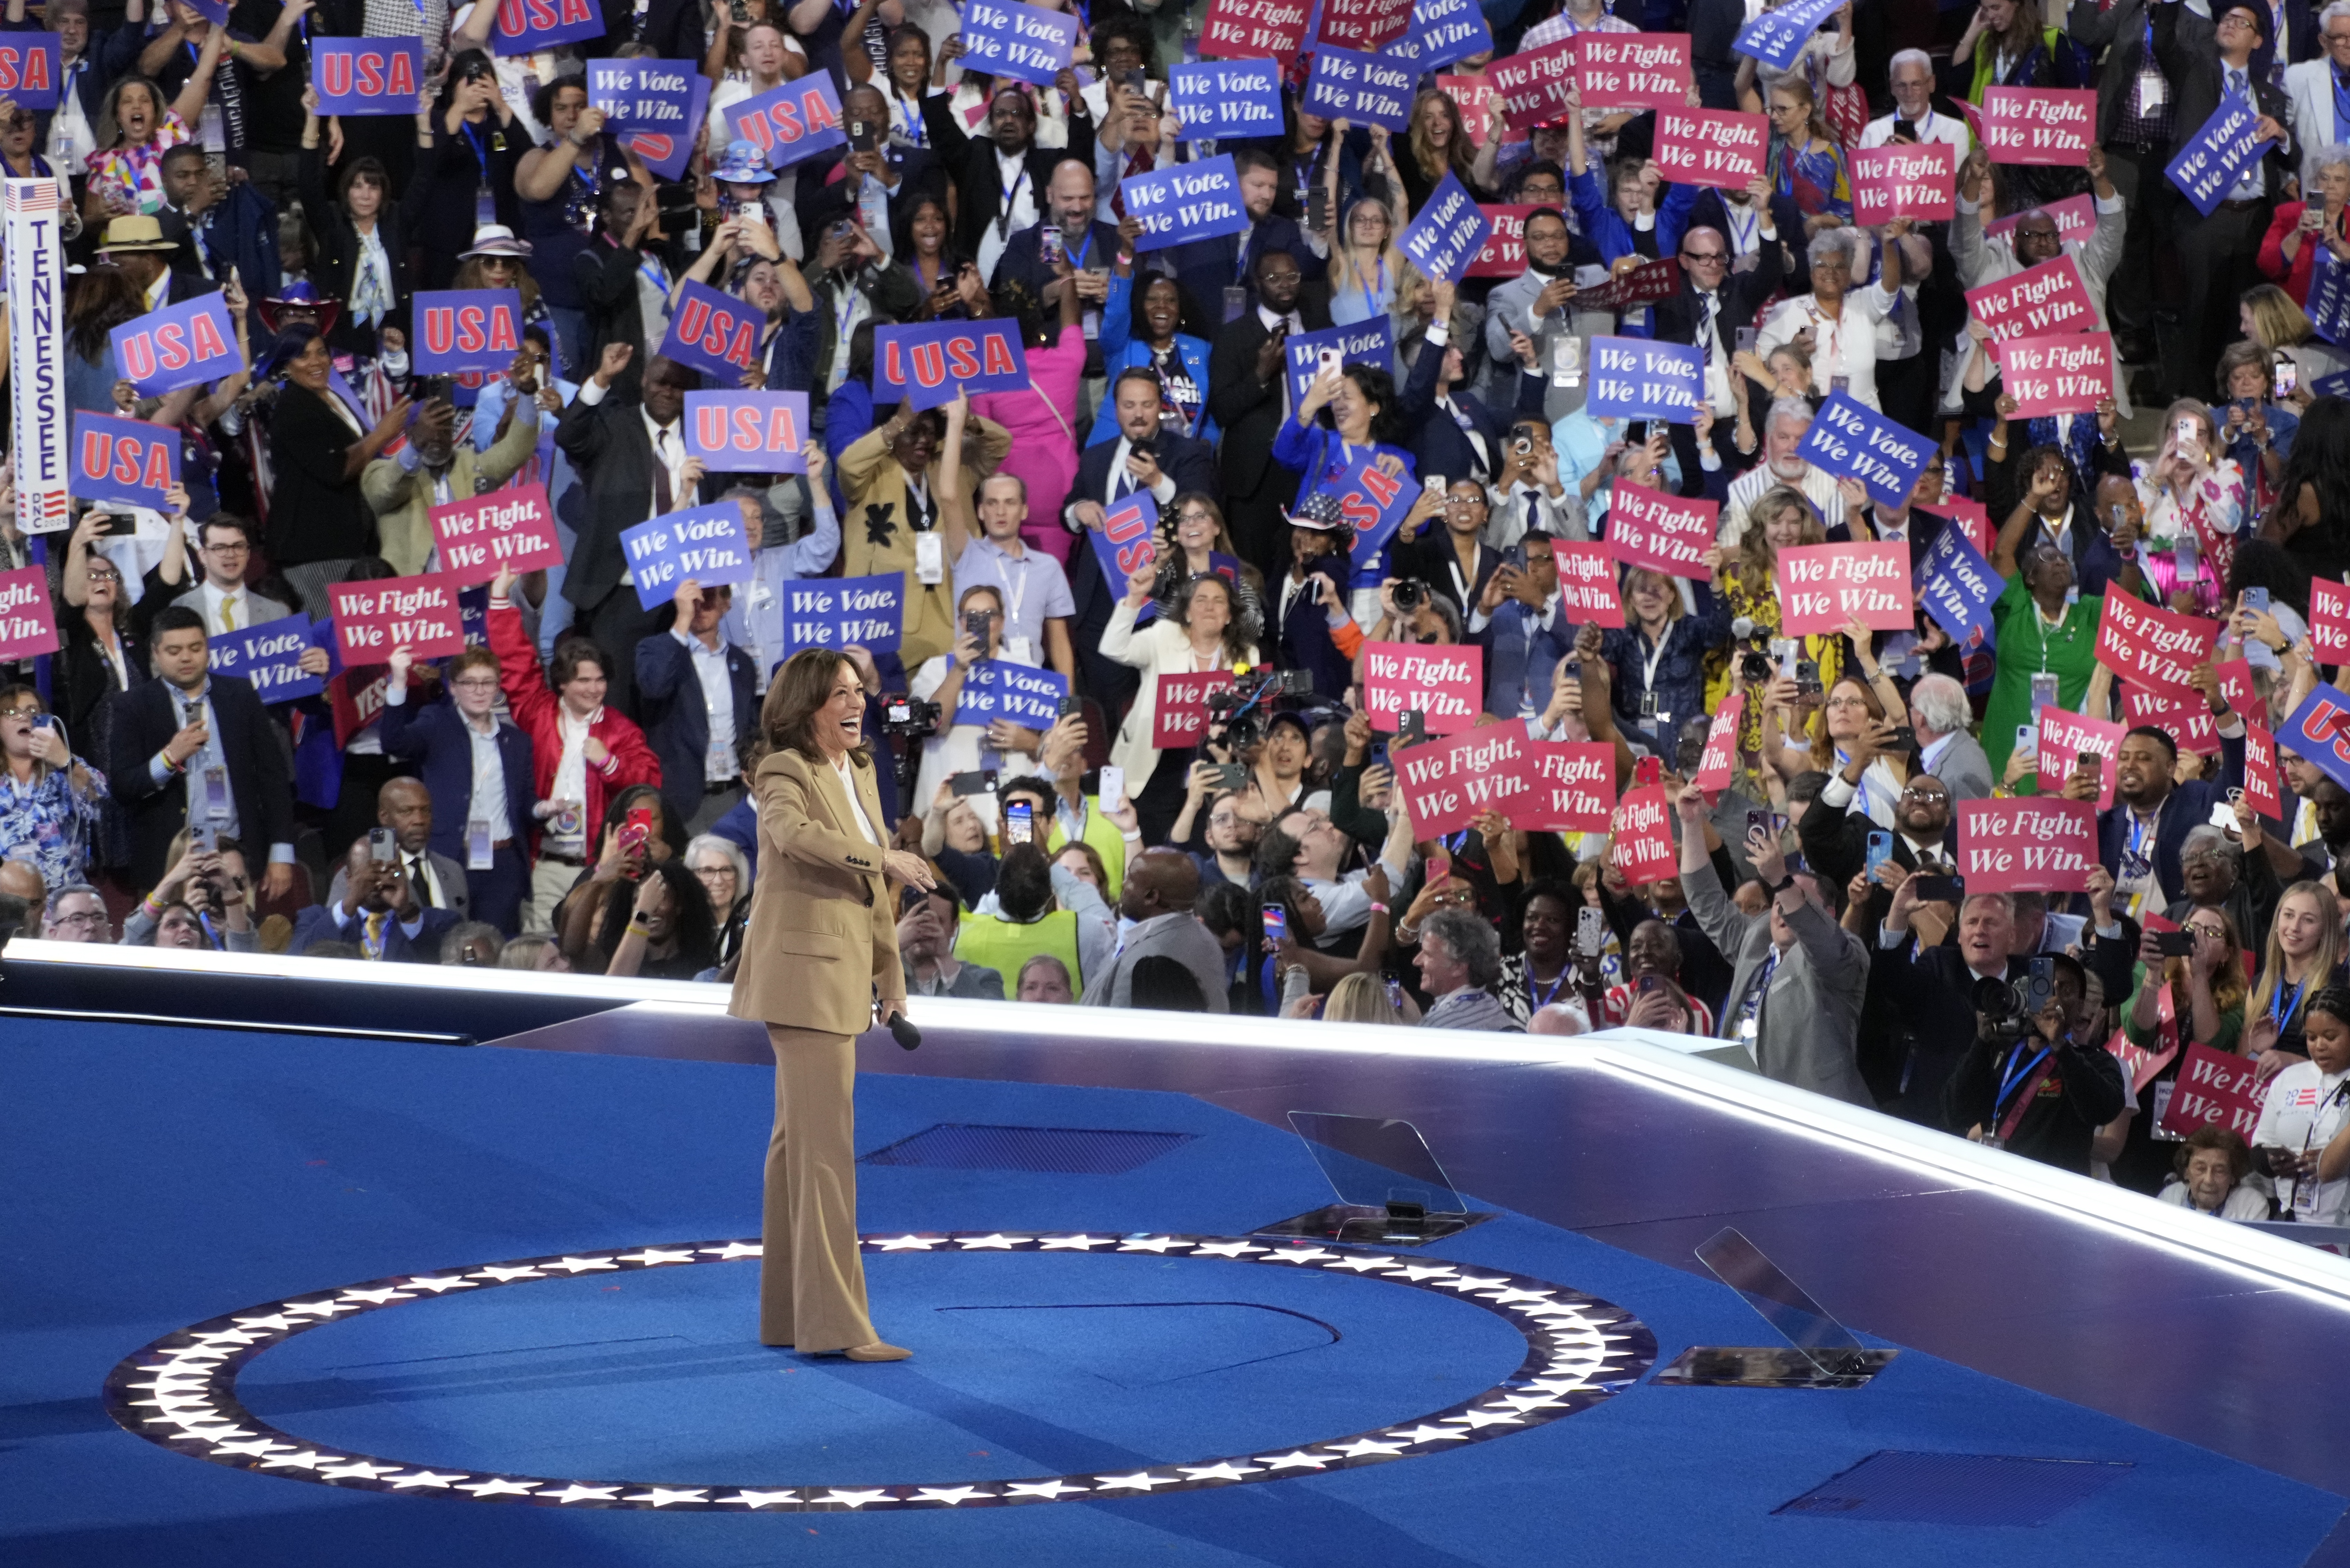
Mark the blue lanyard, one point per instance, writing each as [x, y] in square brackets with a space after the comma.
[2280, 1010]
[2015, 1075]
[1078, 260]
[481, 153]
[914, 122]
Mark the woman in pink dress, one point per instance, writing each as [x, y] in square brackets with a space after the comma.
[1042, 416]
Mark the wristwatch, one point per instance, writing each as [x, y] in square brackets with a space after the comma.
[1784, 883]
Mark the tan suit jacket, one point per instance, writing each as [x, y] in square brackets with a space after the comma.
[823, 939]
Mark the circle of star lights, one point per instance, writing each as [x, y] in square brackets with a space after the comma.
[180, 1392]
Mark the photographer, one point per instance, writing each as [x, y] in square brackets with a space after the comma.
[205, 890]
[998, 744]
[2030, 1084]
[379, 913]
[1926, 993]
[1203, 635]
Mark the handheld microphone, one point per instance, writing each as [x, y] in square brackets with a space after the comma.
[902, 1030]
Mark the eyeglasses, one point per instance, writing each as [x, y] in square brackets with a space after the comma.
[1846, 702]
[1927, 795]
[102, 576]
[86, 917]
[1702, 256]
[476, 683]
[228, 547]
[20, 713]
[2046, 233]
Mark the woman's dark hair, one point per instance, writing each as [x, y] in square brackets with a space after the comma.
[1163, 983]
[2263, 564]
[1569, 896]
[801, 687]
[697, 927]
[1235, 635]
[1013, 298]
[108, 129]
[1378, 386]
[292, 343]
[464, 66]
[904, 31]
[2333, 1001]
[100, 300]
[542, 102]
[860, 349]
[1134, 29]
[569, 655]
[1187, 310]
[2238, 1152]
[357, 170]
[1222, 909]
[2320, 459]
[1283, 893]
[673, 832]
[1024, 883]
[901, 232]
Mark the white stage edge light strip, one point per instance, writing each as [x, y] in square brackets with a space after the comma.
[1642, 1056]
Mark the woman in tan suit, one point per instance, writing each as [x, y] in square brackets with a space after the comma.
[821, 952]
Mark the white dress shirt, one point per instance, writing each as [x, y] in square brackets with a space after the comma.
[717, 701]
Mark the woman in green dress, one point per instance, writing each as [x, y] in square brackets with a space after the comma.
[2037, 631]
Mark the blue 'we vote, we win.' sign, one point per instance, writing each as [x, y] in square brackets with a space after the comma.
[999, 688]
[1957, 586]
[706, 545]
[1640, 379]
[1449, 232]
[2213, 162]
[270, 656]
[1848, 437]
[1218, 98]
[1776, 36]
[1365, 343]
[1007, 40]
[845, 612]
[1185, 202]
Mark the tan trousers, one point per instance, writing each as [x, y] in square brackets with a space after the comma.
[811, 1277]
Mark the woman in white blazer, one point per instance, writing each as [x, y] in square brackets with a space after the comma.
[1202, 636]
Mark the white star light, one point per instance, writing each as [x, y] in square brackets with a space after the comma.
[731, 1250]
[255, 1448]
[1297, 1255]
[1077, 1243]
[1424, 1433]
[651, 1256]
[307, 1459]
[1225, 1250]
[1416, 1273]
[757, 1499]
[575, 1492]
[272, 1321]
[426, 1478]
[235, 1335]
[1140, 1480]
[209, 1434]
[904, 1245]
[1530, 1401]
[1362, 1265]
[366, 1469]
[582, 1265]
[1047, 1490]
[662, 1496]
[1481, 1419]
[950, 1495]
[1223, 1469]
[1467, 1283]
[319, 1309]
[997, 1241]
[498, 1486]
[436, 1287]
[505, 1275]
[1363, 1447]
[1513, 1295]
[1159, 1245]
[1296, 1459]
[855, 1498]
[379, 1298]
[1557, 1385]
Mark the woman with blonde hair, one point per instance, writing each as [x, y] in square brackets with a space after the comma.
[2192, 490]
[2303, 956]
[1748, 583]
[2268, 316]
[1359, 999]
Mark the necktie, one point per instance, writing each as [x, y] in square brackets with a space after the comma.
[2236, 84]
[372, 943]
[664, 498]
[228, 613]
[1122, 480]
[416, 882]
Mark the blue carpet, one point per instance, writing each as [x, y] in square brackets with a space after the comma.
[157, 1179]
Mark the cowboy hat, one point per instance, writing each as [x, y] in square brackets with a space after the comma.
[301, 296]
[135, 231]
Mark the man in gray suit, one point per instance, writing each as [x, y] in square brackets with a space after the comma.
[1938, 712]
[405, 807]
[1161, 884]
[1800, 977]
[224, 548]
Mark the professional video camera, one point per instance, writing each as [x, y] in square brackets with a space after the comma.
[2004, 1009]
[1753, 662]
[1237, 713]
[909, 718]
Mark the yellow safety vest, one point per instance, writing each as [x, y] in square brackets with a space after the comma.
[1004, 945]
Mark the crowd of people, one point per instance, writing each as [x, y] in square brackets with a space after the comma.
[570, 792]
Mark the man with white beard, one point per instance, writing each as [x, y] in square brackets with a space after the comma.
[1783, 432]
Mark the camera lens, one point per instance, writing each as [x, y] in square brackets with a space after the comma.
[1409, 594]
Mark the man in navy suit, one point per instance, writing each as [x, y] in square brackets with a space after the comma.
[1714, 304]
[1517, 621]
[478, 768]
[1449, 430]
[1090, 247]
[377, 913]
[1207, 267]
[1934, 988]
[1144, 457]
[694, 688]
[2138, 838]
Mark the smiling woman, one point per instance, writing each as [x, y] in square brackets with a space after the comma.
[821, 952]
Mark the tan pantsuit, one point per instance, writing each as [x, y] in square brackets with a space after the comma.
[812, 1277]
[820, 949]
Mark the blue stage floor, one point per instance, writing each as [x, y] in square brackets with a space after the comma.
[160, 1178]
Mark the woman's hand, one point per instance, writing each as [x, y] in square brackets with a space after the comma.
[615, 863]
[912, 870]
[1139, 584]
[653, 898]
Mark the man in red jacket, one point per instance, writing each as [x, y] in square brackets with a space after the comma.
[584, 752]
